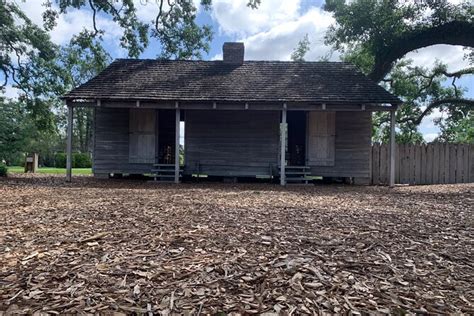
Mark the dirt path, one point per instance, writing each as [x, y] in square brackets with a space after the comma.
[118, 246]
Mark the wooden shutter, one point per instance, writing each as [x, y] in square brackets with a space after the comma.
[321, 138]
[142, 135]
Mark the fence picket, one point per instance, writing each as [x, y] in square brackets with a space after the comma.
[435, 171]
[397, 163]
[465, 164]
[430, 149]
[424, 163]
[417, 161]
[452, 162]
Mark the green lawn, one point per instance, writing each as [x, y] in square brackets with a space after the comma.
[48, 170]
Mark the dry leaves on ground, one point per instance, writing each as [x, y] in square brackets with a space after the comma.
[120, 246]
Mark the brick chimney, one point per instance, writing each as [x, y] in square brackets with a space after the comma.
[233, 53]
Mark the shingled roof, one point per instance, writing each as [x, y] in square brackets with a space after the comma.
[260, 81]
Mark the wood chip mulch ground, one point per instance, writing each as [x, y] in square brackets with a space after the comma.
[130, 247]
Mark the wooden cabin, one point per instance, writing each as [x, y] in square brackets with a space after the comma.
[274, 119]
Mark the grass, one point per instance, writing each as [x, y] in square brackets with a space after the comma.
[50, 170]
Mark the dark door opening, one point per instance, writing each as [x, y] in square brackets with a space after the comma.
[166, 136]
[296, 138]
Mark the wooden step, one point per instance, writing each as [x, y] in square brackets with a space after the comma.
[164, 171]
[297, 173]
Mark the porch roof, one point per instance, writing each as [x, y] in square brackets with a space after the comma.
[252, 81]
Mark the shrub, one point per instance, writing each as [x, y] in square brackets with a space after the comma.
[3, 169]
[81, 160]
[60, 160]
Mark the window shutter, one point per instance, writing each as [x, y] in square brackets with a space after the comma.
[321, 138]
[142, 136]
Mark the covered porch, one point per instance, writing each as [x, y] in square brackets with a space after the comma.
[288, 141]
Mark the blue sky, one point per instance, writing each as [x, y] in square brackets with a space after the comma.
[271, 32]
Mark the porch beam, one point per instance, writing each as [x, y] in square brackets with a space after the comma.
[297, 106]
[392, 148]
[176, 142]
[70, 117]
[283, 146]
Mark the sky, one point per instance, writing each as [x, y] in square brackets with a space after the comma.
[269, 33]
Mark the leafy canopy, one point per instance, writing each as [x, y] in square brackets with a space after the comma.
[376, 35]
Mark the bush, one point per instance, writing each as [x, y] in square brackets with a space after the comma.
[3, 169]
[79, 160]
[60, 160]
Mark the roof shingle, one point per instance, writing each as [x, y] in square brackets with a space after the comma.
[262, 81]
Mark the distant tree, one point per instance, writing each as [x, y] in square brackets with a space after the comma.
[377, 34]
[301, 49]
[20, 40]
[458, 127]
[81, 62]
[15, 131]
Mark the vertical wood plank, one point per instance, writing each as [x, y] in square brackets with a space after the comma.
[70, 122]
[411, 163]
[376, 164]
[423, 164]
[397, 163]
[436, 164]
[283, 129]
[441, 170]
[465, 163]
[417, 162]
[459, 163]
[176, 144]
[429, 164]
[446, 163]
[321, 134]
[391, 167]
[471, 163]
[452, 162]
[383, 164]
[403, 167]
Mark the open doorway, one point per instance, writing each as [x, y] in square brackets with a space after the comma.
[296, 155]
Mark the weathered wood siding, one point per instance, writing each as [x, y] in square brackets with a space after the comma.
[352, 147]
[111, 143]
[436, 163]
[321, 138]
[142, 135]
[231, 143]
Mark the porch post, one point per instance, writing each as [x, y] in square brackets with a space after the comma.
[69, 143]
[283, 146]
[176, 152]
[392, 148]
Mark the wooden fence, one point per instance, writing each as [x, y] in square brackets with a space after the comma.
[435, 163]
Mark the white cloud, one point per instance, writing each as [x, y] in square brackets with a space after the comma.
[273, 30]
[428, 128]
[235, 17]
[74, 21]
[453, 56]
[10, 92]
[279, 42]
[430, 137]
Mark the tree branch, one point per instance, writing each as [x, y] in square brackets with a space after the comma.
[158, 16]
[451, 33]
[435, 104]
[94, 13]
